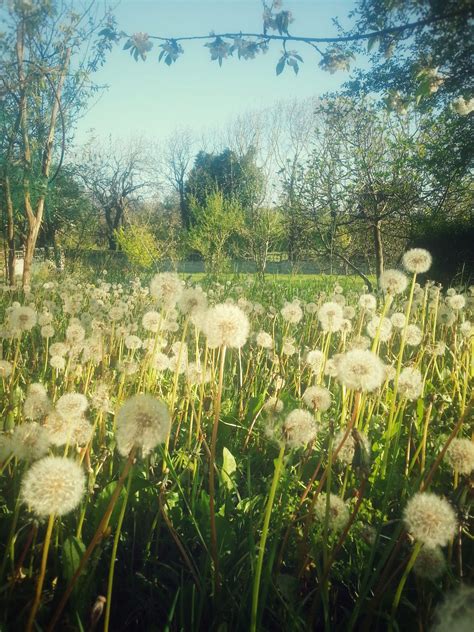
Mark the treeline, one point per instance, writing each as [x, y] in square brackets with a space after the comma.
[338, 181]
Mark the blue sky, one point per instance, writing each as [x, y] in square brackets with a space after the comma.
[151, 99]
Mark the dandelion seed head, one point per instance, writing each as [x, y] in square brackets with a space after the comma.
[338, 513]
[37, 404]
[53, 485]
[330, 316]
[393, 282]
[430, 519]
[314, 359]
[292, 312]
[430, 563]
[382, 325]
[317, 397]
[151, 321]
[299, 428]
[456, 302]
[347, 451]
[410, 383]
[264, 340]
[30, 441]
[417, 260]
[460, 455]
[361, 370]
[5, 368]
[142, 422]
[398, 320]
[456, 613]
[166, 288]
[368, 302]
[226, 325]
[71, 405]
[273, 406]
[413, 335]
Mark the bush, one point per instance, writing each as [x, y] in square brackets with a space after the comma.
[139, 246]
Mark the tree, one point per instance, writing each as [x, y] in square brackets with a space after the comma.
[237, 178]
[431, 61]
[262, 232]
[114, 174]
[42, 92]
[176, 163]
[216, 223]
[360, 185]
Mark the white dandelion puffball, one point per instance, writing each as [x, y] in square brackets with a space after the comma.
[60, 430]
[132, 342]
[460, 455]
[314, 359]
[226, 325]
[143, 422]
[151, 321]
[273, 405]
[338, 513]
[317, 398]
[410, 383]
[57, 362]
[417, 260]
[53, 485]
[166, 288]
[456, 302]
[299, 428]
[330, 316]
[58, 349]
[413, 335]
[430, 519]
[264, 340]
[456, 613]
[37, 404]
[347, 451]
[72, 405]
[22, 318]
[192, 301]
[30, 441]
[393, 282]
[430, 563]
[292, 312]
[368, 302]
[5, 368]
[398, 320]
[382, 325]
[466, 329]
[361, 370]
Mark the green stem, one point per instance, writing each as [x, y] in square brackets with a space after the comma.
[263, 538]
[40, 582]
[401, 585]
[108, 603]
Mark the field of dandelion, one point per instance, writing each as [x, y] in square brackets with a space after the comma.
[189, 454]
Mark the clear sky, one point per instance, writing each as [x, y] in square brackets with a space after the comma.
[151, 99]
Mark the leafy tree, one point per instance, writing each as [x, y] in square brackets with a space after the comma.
[216, 223]
[44, 84]
[430, 61]
[237, 178]
[262, 232]
[363, 184]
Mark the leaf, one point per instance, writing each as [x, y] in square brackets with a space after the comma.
[371, 42]
[73, 550]
[229, 466]
[280, 66]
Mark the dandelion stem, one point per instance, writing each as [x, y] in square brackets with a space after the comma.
[264, 536]
[108, 603]
[40, 582]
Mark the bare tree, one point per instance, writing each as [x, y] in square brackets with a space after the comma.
[115, 174]
[177, 160]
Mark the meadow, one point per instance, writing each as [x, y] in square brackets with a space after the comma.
[195, 454]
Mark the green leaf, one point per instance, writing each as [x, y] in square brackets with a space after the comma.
[280, 66]
[73, 550]
[371, 42]
[229, 466]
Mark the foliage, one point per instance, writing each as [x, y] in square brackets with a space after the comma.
[237, 178]
[139, 245]
[273, 504]
[216, 223]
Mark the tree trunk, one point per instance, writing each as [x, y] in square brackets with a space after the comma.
[34, 225]
[10, 240]
[378, 250]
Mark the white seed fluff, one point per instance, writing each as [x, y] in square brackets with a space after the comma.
[53, 485]
[430, 519]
